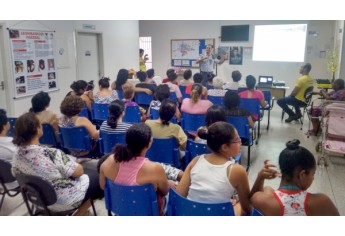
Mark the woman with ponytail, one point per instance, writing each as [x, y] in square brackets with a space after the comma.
[163, 128]
[195, 105]
[214, 177]
[114, 122]
[297, 166]
[127, 165]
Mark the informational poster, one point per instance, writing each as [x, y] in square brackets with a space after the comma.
[33, 60]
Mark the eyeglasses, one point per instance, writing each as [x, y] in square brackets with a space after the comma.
[238, 140]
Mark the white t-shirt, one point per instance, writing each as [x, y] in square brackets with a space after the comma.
[7, 149]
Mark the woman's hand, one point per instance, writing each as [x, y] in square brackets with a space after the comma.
[267, 172]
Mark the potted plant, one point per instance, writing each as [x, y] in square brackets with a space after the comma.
[333, 62]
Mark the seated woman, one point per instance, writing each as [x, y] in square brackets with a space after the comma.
[72, 183]
[7, 148]
[105, 95]
[122, 82]
[128, 95]
[163, 128]
[80, 89]
[195, 105]
[232, 102]
[217, 90]
[251, 92]
[298, 167]
[197, 78]
[187, 75]
[114, 123]
[70, 108]
[338, 94]
[214, 114]
[39, 104]
[214, 177]
[127, 164]
[162, 92]
[174, 88]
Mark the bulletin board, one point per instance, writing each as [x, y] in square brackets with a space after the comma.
[185, 52]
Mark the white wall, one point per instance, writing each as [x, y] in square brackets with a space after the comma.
[163, 31]
[120, 45]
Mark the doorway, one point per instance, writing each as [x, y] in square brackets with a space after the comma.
[89, 56]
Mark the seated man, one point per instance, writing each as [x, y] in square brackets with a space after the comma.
[296, 98]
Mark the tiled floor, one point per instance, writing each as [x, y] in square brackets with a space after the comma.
[328, 180]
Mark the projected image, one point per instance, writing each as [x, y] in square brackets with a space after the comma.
[236, 56]
[279, 42]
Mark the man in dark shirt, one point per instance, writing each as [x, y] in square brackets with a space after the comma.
[142, 76]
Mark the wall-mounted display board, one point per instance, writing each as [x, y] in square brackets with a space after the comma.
[185, 52]
[33, 61]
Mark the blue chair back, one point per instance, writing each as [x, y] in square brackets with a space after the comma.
[267, 96]
[99, 112]
[108, 140]
[217, 100]
[194, 149]
[173, 96]
[12, 121]
[132, 115]
[252, 105]
[183, 92]
[122, 200]
[154, 115]
[75, 138]
[181, 206]
[164, 150]
[84, 112]
[48, 137]
[120, 94]
[142, 98]
[191, 122]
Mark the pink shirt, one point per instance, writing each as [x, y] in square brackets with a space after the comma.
[195, 108]
[128, 171]
[255, 94]
[174, 88]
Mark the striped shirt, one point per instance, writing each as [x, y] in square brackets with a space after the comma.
[121, 127]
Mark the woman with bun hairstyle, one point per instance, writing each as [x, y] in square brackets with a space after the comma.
[214, 177]
[298, 167]
[105, 95]
[80, 89]
[128, 165]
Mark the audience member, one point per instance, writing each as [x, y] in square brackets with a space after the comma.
[122, 82]
[217, 90]
[195, 105]
[7, 149]
[173, 87]
[79, 89]
[298, 167]
[187, 74]
[127, 164]
[197, 78]
[166, 80]
[105, 95]
[235, 84]
[150, 76]
[142, 76]
[72, 183]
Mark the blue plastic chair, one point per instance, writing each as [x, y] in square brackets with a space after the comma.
[143, 99]
[132, 115]
[75, 138]
[6, 177]
[99, 112]
[217, 100]
[12, 121]
[122, 200]
[270, 101]
[84, 112]
[164, 150]
[183, 92]
[107, 141]
[173, 97]
[243, 129]
[120, 94]
[191, 122]
[154, 115]
[253, 106]
[48, 137]
[181, 206]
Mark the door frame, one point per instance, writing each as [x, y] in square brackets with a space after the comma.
[100, 50]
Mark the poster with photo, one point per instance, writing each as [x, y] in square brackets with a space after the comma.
[33, 60]
[236, 55]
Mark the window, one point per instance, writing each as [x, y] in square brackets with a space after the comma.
[146, 44]
[280, 42]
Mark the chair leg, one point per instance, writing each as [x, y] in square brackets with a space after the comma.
[93, 208]
[268, 119]
[248, 159]
[2, 200]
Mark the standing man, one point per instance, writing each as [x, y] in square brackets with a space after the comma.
[206, 62]
[296, 98]
[142, 60]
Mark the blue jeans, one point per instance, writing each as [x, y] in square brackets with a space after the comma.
[284, 102]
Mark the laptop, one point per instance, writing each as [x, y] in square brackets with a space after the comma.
[265, 81]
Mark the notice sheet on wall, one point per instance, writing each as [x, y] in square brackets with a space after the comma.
[33, 60]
